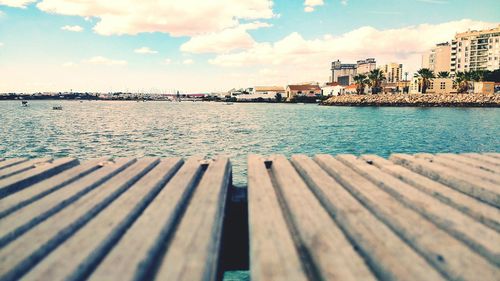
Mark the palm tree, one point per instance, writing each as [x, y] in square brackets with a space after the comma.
[376, 77]
[425, 76]
[361, 81]
[443, 74]
[462, 80]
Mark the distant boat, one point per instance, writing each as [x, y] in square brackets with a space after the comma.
[229, 103]
[57, 107]
[24, 103]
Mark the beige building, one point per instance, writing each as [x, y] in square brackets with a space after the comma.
[302, 90]
[344, 73]
[365, 66]
[476, 50]
[393, 72]
[438, 59]
[486, 88]
[268, 90]
[437, 86]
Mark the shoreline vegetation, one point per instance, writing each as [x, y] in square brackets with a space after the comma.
[421, 100]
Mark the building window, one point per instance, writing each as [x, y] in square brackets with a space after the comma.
[443, 85]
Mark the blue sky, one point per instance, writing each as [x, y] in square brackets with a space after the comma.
[220, 45]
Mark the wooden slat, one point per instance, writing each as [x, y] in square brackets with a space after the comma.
[479, 237]
[193, 252]
[387, 254]
[273, 255]
[461, 167]
[21, 167]
[11, 162]
[474, 186]
[327, 250]
[20, 221]
[19, 181]
[82, 251]
[484, 158]
[34, 192]
[471, 162]
[484, 213]
[146, 238]
[449, 255]
[27, 250]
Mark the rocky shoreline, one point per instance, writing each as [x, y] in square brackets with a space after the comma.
[420, 100]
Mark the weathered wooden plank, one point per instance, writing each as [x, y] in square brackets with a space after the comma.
[472, 162]
[273, 255]
[449, 255]
[77, 256]
[465, 169]
[21, 254]
[11, 162]
[474, 186]
[149, 234]
[19, 181]
[20, 221]
[479, 237]
[484, 213]
[21, 167]
[325, 248]
[34, 192]
[193, 252]
[485, 158]
[387, 254]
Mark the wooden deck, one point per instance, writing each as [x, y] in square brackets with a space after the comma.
[409, 217]
[413, 217]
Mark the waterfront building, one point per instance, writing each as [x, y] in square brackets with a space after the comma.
[365, 66]
[332, 89]
[268, 90]
[485, 88]
[437, 86]
[476, 50]
[393, 72]
[438, 59]
[343, 73]
[351, 89]
[302, 90]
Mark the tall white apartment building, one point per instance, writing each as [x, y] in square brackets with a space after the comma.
[476, 50]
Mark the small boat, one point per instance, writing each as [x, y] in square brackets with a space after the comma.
[57, 107]
[229, 103]
[24, 103]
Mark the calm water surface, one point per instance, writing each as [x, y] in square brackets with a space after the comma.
[97, 128]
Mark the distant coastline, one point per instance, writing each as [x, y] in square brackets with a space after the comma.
[422, 100]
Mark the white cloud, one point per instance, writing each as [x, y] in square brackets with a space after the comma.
[16, 3]
[1, 44]
[188, 61]
[343, 2]
[99, 60]
[221, 42]
[310, 4]
[72, 28]
[167, 61]
[177, 18]
[403, 45]
[2, 14]
[145, 50]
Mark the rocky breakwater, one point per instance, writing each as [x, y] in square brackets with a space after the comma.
[427, 100]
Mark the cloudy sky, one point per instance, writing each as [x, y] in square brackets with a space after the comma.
[214, 45]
